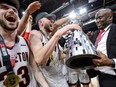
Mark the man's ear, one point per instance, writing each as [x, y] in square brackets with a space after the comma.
[111, 18]
[40, 22]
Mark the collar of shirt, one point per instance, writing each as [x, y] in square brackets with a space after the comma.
[107, 27]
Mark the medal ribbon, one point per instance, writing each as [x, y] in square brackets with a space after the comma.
[5, 56]
[12, 80]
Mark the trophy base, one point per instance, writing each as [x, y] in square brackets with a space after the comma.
[83, 61]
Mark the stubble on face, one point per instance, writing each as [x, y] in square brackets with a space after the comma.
[4, 25]
[8, 18]
[48, 27]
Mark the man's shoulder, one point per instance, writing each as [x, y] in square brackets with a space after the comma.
[113, 25]
[35, 32]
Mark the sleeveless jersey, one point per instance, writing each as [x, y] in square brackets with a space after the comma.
[52, 72]
[20, 54]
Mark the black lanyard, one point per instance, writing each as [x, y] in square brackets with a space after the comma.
[12, 80]
[5, 56]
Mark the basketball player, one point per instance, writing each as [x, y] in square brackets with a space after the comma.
[45, 48]
[16, 71]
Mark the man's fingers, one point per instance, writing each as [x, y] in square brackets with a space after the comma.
[100, 53]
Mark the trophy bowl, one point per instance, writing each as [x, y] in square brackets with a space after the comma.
[81, 51]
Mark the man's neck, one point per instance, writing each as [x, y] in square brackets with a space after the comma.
[9, 37]
[46, 33]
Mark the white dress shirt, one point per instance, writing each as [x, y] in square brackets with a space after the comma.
[102, 47]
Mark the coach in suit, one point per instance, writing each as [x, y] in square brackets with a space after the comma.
[105, 41]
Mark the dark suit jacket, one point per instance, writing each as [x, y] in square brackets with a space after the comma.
[107, 80]
[110, 46]
[111, 41]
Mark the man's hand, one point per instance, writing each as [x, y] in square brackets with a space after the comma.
[103, 61]
[67, 29]
[33, 7]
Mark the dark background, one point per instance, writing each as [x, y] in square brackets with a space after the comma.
[63, 7]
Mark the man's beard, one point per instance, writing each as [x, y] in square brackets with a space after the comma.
[4, 25]
[47, 27]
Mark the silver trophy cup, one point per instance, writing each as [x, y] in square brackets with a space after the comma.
[80, 51]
